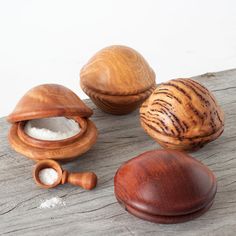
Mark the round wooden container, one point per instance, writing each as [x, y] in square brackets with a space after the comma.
[165, 186]
[117, 79]
[51, 100]
[182, 114]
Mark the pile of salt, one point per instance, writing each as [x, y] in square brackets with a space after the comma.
[52, 128]
[48, 176]
[51, 203]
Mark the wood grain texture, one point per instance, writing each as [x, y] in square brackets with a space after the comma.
[118, 105]
[117, 70]
[97, 212]
[165, 186]
[182, 114]
[48, 100]
[117, 79]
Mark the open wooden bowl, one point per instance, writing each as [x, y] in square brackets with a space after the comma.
[45, 101]
[117, 79]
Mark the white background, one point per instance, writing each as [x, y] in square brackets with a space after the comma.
[47, 41]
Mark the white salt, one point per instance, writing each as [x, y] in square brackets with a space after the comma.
[53, 128]
[51, 203]
[48, 176]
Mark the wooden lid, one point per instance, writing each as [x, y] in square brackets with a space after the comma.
[49, 100]
[117, 70]
[164, 183]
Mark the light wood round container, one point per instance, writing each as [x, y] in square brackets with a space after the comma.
[117, 79]
[51, 100]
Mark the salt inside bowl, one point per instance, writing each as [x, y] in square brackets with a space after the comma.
[53, 128]
[48, 176]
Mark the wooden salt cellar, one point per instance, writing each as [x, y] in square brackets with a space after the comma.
[117, 79]
[165, 186]
[51, 100]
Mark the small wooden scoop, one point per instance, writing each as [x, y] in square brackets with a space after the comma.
[86, 180]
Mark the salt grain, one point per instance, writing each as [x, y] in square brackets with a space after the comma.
[48, 176]
[51, 203]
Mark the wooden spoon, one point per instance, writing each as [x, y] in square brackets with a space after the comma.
[86, 180]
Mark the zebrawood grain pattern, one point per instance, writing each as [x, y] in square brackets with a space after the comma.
[165, 186]
[97, 212]
[117, 79]
[182, 114]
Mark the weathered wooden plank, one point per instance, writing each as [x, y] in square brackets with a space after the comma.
[97, 212]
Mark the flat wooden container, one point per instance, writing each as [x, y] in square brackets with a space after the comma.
[97, 212]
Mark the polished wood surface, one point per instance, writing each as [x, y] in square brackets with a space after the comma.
[118, 105]
[86, 180]
[165, 183]
[117, 70]
[97, 212]
[182, 114]
[117, 79]
[168, 219]
[48, 100]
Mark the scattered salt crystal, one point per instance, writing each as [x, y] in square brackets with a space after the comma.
[53, 128]
[48, 176]
[51, 203]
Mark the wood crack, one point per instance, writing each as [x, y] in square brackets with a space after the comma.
[217, 90]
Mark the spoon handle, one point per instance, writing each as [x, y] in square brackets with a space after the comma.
[86, 180]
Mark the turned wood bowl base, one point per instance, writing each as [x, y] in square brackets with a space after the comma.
[189, 149]
[65, 152]
[118, 105]
[114, 109]
[166, 219]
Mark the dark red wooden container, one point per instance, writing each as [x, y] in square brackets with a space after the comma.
[165, 186]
